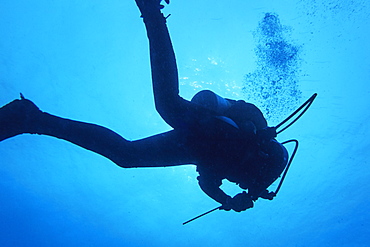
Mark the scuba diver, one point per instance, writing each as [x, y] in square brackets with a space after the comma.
[224, 138]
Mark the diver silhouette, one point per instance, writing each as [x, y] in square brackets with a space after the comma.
[224, 138]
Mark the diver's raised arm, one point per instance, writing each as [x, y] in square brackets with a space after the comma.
[162, 56]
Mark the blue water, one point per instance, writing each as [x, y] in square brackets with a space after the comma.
[89, 61]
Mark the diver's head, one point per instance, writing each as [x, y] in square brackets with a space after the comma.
[276, 161]
[266, 168]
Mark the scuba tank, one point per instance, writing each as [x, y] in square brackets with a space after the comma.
[211, 101]
[215, 104]
[267, 160]
[219, 104]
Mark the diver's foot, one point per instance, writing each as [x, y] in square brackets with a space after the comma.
[18, 117]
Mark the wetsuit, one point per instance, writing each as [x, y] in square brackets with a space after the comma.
[199, 135]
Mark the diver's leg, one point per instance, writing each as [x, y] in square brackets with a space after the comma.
[162, 150]
[166, 149]
[22, 116]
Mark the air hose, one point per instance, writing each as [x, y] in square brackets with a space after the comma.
[305, 107]
[306, 104]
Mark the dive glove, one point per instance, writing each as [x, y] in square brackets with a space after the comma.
[238, 203]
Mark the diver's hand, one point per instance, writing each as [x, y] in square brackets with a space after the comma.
[241, 202]
[267, 195]
[238, 203]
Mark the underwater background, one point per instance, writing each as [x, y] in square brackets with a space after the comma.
[88, 61]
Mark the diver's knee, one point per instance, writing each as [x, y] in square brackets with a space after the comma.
[124, 163]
